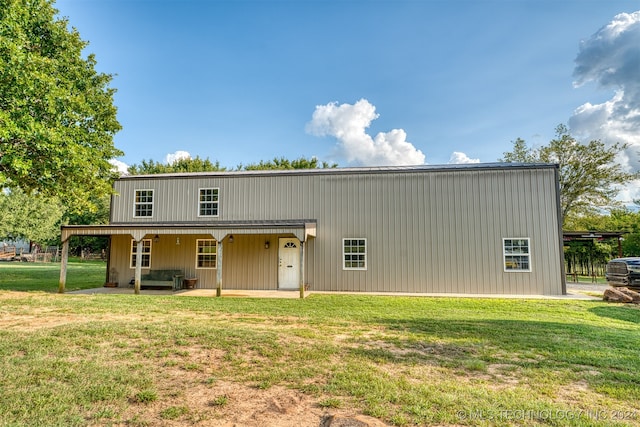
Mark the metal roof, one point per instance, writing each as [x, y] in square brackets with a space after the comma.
[350, 170]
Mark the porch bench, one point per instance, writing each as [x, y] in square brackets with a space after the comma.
[161, 279]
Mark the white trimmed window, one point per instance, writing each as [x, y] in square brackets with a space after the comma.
[206, 253]
[143, 203]
[354, 254]
[208, 202]
[517, 254]
[146, 253]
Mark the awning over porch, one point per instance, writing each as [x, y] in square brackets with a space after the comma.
[302, 229]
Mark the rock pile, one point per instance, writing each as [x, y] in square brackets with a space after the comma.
[621, 295]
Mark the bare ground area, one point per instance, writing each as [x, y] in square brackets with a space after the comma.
[230, 404]
[190, 395]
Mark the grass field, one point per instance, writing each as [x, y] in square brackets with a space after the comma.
[23, 276]
[166, 360]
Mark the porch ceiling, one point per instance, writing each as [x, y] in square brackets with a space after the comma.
[302, 229]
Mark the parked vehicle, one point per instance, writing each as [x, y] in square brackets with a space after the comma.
[624, 272]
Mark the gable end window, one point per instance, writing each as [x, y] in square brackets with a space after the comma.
[206, 253]
[354, 254]
[143, 204]
[208, 202]
[517, 254]
[146, 253]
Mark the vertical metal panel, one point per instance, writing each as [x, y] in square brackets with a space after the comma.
[427, 231]
[248, 265]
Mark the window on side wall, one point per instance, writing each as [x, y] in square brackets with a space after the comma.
[146, 253]
[208, 202]
[354, 254]
[143, 203]
[517, 254]
[206, 253]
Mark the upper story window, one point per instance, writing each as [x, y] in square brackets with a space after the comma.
[208, 202]
[517, 254]
[354, 254]
[143, 203]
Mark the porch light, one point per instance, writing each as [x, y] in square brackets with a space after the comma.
[177, 241]
[266, 244]
[231, 238]
[156, 238]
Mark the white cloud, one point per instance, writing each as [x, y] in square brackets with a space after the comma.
[173, 157]
[458, 158]
[120, 167]
[611, 58]
[348, 123]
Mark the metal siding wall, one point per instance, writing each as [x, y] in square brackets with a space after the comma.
[119, 253]
[429, 231]
[246, 264]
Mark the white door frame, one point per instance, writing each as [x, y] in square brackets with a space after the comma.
[288, 263]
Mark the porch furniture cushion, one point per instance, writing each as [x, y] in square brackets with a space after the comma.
[160, 279]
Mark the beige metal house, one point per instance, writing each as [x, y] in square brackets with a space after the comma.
[474, 229]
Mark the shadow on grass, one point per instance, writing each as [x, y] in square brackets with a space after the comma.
[627, 313]
[531, 343]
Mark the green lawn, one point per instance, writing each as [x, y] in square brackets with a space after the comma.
[22, 276]
[148, 360]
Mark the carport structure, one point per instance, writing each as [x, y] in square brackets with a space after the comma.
[589, 237]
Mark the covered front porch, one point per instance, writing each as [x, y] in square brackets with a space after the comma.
[268, 254]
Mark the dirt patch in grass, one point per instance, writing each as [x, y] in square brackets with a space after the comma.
[231, 404]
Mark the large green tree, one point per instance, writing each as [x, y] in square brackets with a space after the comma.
[57, 117]
[589, 174]
[29, 217]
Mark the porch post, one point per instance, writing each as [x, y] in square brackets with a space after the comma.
[63, 266]
[302, 269]
[138, 272]
[219, 270]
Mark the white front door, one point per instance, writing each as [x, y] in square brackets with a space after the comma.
[289, 263]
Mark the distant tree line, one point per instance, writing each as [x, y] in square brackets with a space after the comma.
[198, 164]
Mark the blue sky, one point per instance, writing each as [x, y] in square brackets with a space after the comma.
[359, 82]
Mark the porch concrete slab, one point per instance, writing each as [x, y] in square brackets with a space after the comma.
[119, 291]
[194, 292]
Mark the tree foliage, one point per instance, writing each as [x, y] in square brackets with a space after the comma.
[196, 164]
[285, 164]
[31, 217]
[199, 165]
[588, 172]
[617, 220]
[57, 118]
